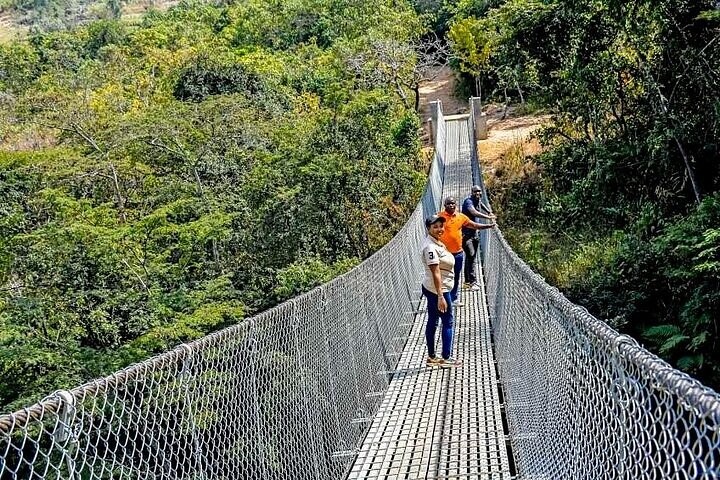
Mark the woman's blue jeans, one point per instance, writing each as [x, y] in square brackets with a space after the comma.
[459, 257]
[447, 323]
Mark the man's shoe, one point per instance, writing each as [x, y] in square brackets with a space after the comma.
[433, 361]
[473, 287]
[451, 362]
[458, 303]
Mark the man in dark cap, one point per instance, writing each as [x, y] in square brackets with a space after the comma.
[452, 238]
[473, 208]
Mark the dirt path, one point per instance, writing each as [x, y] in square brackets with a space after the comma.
[507, 137]
[441, 88]
[509, 141]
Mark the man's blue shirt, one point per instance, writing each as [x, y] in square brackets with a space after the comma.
[469, 202]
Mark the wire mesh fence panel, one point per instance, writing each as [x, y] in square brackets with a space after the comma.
[584, 401]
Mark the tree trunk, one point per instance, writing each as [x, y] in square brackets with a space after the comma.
[118, 195]
[401, 92]
[690, 171]
[517, 85]
[507, 103]
[689, 168]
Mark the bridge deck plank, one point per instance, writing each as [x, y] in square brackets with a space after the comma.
[442, 423]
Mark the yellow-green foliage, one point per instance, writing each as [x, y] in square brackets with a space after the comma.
[564, 261]
[162, 180]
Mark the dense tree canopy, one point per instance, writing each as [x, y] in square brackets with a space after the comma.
[161, 181]
[625, 196]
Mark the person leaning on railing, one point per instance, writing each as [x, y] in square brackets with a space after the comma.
[474, 209]
[452, 238]
[437, 283]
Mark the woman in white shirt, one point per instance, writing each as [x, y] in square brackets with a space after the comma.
[437, 284]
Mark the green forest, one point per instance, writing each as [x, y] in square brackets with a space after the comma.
[621, 210]
[163, 178]
[162, 181]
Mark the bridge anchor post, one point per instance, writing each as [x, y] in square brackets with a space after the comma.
[480, 119]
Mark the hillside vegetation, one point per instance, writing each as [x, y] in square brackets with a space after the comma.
[621, 209]
[161, 181]
[20, 18]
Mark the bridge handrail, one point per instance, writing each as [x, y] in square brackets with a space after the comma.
[676, 381]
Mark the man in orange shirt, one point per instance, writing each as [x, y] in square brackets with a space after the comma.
[452, 239]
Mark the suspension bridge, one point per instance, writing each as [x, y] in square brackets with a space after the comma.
[333, 384]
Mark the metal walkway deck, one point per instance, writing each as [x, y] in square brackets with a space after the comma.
[442, 423]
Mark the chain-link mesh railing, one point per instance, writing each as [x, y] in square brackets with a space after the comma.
[583, 401]
[283, 395]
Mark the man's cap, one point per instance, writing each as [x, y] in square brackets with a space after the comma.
[433, 219]
[476, 188]
[449, 200]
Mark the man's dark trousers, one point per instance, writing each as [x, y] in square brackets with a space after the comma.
[470, 247]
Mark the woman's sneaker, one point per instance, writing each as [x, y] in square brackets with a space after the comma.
[433, 361]
[451, 362]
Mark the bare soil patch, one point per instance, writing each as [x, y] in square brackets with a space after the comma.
[441, 88]
[504, 134]
[9, 30]
[510, 141]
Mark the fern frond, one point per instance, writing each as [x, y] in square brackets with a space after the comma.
[691, 363]
[698, 340]
[673, 342]
[661, 332]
